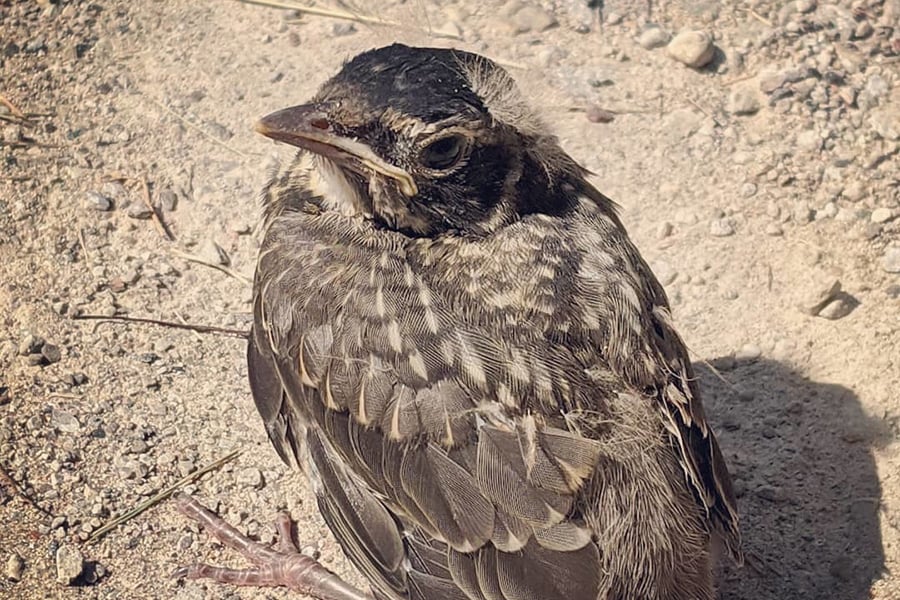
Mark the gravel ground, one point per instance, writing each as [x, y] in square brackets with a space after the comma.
[754, 147]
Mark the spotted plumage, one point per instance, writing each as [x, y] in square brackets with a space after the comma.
[456, 340]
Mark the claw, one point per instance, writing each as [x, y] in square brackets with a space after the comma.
[280, 566]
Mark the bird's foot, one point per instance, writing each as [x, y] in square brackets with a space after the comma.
[282, 565]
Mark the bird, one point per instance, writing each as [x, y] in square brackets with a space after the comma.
[458, 343]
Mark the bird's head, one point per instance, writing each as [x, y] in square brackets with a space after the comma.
[427, 141]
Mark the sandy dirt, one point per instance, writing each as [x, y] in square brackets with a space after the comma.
[752, 185]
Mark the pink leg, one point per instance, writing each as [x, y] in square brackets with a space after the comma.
[280, 566]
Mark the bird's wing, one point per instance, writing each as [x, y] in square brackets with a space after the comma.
[638, 342]
[433, 474]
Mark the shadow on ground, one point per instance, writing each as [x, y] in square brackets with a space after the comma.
[801, 456]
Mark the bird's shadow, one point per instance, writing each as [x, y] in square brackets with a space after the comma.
[800, 453]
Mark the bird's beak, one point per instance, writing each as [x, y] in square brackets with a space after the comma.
[308, 127]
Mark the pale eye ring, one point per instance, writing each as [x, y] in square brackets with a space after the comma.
[444, 153]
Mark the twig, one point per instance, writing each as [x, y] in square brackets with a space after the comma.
[61, 396]
[17, 489]
[184, 321]
[347, 16]
[84, 249]
[154, 214]
[227, 270]
[738, 79]
[197, 128]
[150, 502]
[225, 331]
[12, 107]
[703, 110]
[760, 18]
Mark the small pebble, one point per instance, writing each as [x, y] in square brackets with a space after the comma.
[838, 308]
[65, 421]
[69, 564]
[595, 114]
[138, 210]
[692, 48]
[212, 253]
[250, 477]
[654, 37]
[748, 190]
[882, 215]
[854, 192]
[743, 101]
[663, 230]
[774, 230]
[532, 18]
[14, 567]
[168, 200]
[824, 294]
[51, 353]
[97, 201]
[890, 261]
[809, 141]
[748, 353]
[721, 227]
[343, 29]
[30, 344]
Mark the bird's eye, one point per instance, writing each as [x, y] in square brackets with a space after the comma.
[443, 153]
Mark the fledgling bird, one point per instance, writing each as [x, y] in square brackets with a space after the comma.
[456, 340]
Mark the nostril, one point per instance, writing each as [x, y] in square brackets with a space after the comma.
[320, 123]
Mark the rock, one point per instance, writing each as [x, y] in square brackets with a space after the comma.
[774, 81]
[809, 141]
[664, 272]
[532, 18]
[890, 260]
[212, 253]
[863, 30]
[743, 101]
[692, 48]
[854, 192]
[14, 567]
[69, 564]
[64, 421]
[663, 230]
[748, 353]
[825, 294]
[721, 227]
[748, 190]
[115, 191]
[168, 200]
[774, 230]
[842, 568]
[343, 29]
[30, 344]
[681, 123]
[805, 6]
[838, 308]
[654, 37]
[138, 210]
[97, 201]
[882, 215]
[613, 18]
[769, 492]
[250, 477]
[595, 114]
[885, 121]
[51, 353]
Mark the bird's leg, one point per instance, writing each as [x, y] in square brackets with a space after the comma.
[283, 565]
